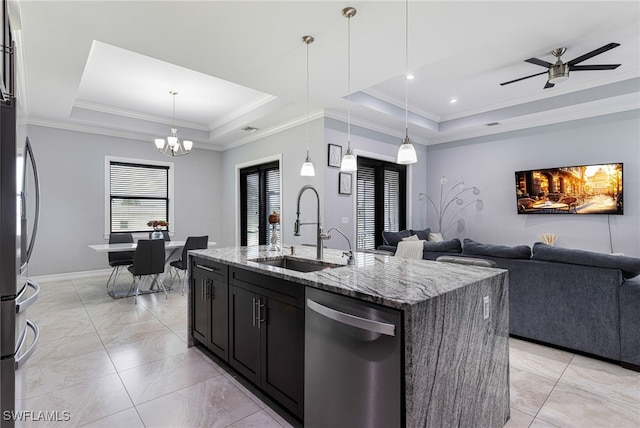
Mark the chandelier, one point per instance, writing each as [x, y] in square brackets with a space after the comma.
[173, 146]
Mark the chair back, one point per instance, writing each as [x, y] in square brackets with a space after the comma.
[120, 256]
[165, 235]
[193, 243]
[149, 257]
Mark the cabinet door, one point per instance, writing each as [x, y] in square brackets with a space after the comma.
[200, 309]
[219, 327]
[282, 374]
[244, 334]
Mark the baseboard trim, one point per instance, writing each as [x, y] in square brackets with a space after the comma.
[70, 275]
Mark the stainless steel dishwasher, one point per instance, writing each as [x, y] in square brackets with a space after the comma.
[353, 363]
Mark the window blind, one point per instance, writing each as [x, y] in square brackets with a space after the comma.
[260, 196]
[380, 201]
[138, 193]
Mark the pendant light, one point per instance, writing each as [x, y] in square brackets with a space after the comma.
[406, 151]
[349, 163]
[307, 169]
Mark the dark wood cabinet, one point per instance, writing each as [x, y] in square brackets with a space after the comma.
[266, 335]
[210, 308]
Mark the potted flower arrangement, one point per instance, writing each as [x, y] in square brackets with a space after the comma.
[157, 228]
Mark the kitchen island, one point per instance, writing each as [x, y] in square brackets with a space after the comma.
[454, 326]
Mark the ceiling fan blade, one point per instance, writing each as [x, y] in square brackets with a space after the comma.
[594, 67]
[593, 53]
[522, 78]
[539, 62]
[548, 85]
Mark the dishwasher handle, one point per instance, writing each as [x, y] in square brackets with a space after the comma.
[352, 320]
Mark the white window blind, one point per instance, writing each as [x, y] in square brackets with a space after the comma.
[138, 193]
[272, 179]
[253, 209]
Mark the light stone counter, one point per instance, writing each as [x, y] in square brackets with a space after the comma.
[456, 361]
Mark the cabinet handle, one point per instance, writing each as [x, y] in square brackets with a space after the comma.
[260, 306]
[212, 290]
[253, 316]
[204, 292]
[207, 268]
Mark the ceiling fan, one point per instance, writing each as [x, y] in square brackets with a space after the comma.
[559, 72]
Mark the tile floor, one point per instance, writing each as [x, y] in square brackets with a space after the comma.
[110, 363]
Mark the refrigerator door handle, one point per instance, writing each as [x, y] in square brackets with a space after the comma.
[22, 306]
[352, 320]
[24, 357]
[36, 183]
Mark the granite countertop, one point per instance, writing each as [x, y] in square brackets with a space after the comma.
[387, 280]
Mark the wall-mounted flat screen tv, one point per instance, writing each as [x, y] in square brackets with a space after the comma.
[582, 189]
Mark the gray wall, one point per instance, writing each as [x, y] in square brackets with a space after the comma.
[490, 163]
[71, 167]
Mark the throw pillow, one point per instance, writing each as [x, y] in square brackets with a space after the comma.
[504, 251]
[411, 238]
[436, 237]
[423, 235]
[451, 246]
[630, 266]
[392, 238]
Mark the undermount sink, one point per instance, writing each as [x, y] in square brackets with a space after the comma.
[299, 265]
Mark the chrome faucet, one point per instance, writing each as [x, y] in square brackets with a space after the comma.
[350, 259]
[296, 227]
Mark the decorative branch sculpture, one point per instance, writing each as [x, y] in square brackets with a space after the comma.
[447, 200]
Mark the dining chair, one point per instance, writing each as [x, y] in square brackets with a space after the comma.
[165, 234]
[148, 260]
[119, 259]
[180, 265]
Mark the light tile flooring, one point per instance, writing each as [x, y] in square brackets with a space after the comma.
[110, 363]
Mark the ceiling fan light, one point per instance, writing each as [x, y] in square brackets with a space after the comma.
[406, 152]
[558, 73]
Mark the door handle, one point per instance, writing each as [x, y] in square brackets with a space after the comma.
[352, 320]
[36, 184]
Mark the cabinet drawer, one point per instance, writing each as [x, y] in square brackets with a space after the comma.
[209, 268]
[287, 291]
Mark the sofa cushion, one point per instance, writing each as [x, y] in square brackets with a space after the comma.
[392, 238]
[436, 237]
[630, 266]
[451, 246]
[423, 235]
[504, 251]
[411, 238]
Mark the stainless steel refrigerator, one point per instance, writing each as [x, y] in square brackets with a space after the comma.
[19, 212]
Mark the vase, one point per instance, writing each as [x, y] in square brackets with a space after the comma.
[157, 233]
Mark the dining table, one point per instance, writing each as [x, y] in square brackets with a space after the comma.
[170, 247]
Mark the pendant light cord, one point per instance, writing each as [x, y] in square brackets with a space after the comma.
[307, 127]
[349, 82]
[406, 74]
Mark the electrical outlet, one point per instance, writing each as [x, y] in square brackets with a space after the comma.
[345, 220]
[485, 307]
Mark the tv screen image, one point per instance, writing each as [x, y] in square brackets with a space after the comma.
[581, 189]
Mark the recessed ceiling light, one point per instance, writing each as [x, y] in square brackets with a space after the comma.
[453, 100]
[249, 129]
[410, 76]
[493, 123]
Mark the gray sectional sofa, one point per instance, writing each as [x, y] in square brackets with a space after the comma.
[578, 300]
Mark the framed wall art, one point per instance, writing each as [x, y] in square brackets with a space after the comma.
[344, 183]
[335, 155]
